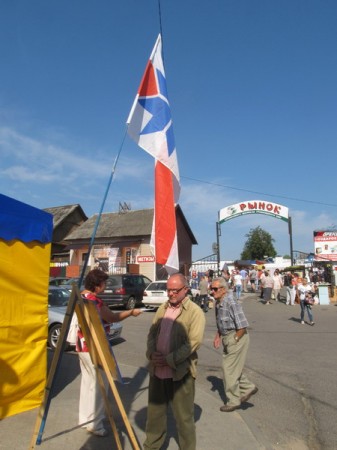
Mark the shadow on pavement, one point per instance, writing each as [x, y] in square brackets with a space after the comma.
[295, 319]
[68, 370]
[217, 386]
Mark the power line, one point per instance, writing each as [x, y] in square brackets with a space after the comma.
[259, 193]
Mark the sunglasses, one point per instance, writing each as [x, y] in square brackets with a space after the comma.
[175, 291]
[215, 289]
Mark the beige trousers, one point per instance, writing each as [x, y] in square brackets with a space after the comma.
[236, 384]
[91, 407]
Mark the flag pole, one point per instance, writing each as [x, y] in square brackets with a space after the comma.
[161, 30]
[48, 399]
[101, 209]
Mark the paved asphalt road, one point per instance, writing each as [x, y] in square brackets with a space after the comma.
[293, 365]
[295, 368]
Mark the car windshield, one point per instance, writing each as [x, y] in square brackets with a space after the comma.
[113, 282]
[72, 280]
[156, 286]
[64, 282]
[58, 297]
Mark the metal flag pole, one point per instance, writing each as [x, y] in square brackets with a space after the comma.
[58, 354]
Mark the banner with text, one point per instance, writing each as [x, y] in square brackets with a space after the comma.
[325, 245]
[254, 207]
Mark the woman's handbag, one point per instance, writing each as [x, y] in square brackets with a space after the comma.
[73, 329]
[309, 300]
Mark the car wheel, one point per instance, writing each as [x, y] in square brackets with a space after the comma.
[131, 303]
[53, 335]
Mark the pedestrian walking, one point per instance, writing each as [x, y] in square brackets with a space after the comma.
[203, 293]
[267, 286]
[252, 279]
[306, 294]
[237, 284]
[277, 285]
[232, 333]
[290, 289]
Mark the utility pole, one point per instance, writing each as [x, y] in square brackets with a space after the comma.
[291, 240]
[218, 234]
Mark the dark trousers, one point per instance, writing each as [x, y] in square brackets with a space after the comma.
[180, 395]
[204, 302]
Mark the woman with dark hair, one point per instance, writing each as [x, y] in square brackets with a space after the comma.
[91, 407]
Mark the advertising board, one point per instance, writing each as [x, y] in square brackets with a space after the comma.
[325, 243]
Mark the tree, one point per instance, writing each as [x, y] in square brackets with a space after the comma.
[258, 245]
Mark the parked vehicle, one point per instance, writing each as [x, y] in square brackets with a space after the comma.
[124, 289]
[58, 281]
[65, 282]
[156, 294]
[58, 298]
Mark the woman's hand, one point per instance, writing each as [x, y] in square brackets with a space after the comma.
[136, 312]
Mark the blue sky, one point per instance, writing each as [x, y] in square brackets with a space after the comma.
[253, 94]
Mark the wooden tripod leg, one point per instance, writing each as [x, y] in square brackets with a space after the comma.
[101, 382]
[101, 345]
[108, 408]
[120, 405]
[44, 408]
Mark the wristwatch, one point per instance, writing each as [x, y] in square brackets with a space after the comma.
[236, 338]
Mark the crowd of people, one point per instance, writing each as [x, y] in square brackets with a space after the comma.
[267, 285]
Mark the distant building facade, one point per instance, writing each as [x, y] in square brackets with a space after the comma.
[122, 244]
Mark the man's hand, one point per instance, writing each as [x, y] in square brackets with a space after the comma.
[217, 341]
[158, 359]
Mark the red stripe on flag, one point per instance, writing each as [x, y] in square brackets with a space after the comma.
[165, 215]
[148, 85]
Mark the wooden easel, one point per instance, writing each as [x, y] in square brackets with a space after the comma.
[102, 358]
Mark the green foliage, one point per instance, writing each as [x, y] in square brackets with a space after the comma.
[286, 257]
[258, 245]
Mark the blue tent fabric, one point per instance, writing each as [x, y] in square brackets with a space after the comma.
[24, 222]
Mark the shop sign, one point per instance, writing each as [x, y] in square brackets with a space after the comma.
[145, 259]
[254, 207]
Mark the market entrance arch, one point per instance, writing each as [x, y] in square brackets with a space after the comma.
[253, 207]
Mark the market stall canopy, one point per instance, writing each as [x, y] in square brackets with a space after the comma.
[23, 222]
[244, 262]
[25, 243]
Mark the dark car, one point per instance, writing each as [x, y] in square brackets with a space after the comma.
[125, 289]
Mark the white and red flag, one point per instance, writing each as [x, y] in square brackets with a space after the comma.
[150, 126]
